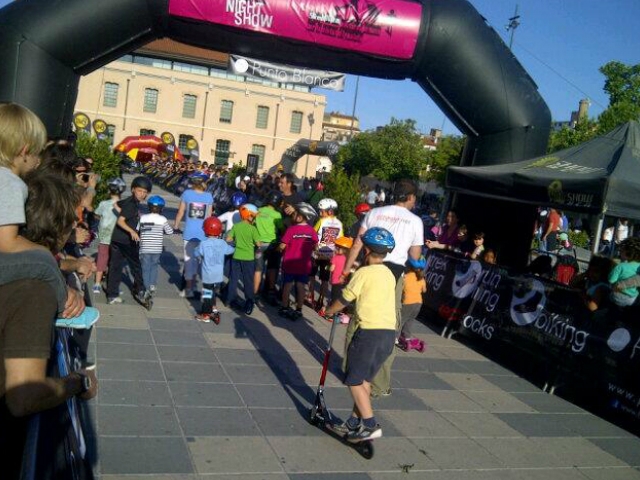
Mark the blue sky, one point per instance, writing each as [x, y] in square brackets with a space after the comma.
[561, 43]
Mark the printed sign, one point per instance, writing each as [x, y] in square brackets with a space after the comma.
[387, 28]
[168, 138]
[196, 210]
[81, 122]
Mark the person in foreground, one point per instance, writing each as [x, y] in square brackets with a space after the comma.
[372, 287]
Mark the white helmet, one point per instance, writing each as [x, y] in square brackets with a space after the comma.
[327, 204]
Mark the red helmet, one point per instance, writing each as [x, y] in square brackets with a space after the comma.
[212, 227]
[362, 208]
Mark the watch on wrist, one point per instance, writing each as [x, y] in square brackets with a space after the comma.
[85, 383]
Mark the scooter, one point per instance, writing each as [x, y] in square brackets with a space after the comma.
[408, 344]
[319, 414]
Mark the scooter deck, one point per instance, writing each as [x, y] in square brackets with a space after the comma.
[364, 448]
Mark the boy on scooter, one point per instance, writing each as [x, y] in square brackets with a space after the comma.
[372, 287]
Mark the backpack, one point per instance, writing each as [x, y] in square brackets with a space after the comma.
[565, 269]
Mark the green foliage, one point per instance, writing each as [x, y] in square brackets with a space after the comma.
[234, 171]
[622, 84]
[390, 153]
[105, 162]
[448, 152]
[579, 239]
[343, 188]
[569, 137]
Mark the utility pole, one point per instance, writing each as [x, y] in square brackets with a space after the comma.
[353, 112]
[514, 22]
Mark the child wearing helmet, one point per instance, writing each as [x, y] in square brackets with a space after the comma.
[328, 228]
[372, 288]
[153, 226]
[243, 264]
[414, 287]
[107, 223]
[298, 243]
[195, 205]
[125, 244]
[270, 226]
[339, 259]
[211, 253]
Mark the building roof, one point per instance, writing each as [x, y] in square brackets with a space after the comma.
[170, 49]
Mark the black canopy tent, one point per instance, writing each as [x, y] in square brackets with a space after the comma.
[601, 176]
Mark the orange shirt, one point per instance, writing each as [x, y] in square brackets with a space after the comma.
[413, 289]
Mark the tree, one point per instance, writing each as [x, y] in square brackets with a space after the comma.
[448, 152]
[105, 162]
[344, 189]
[567, 137]
[622, 84]
[389, 153]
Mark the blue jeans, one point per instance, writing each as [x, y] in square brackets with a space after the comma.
[241, 269]
[150, 262]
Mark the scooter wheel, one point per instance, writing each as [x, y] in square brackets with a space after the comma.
[313, 417]
[421, 347]
[366, 450]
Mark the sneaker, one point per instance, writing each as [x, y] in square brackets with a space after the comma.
[97, 289]
[186, 293]
[364, 433]
[114, 300]
[295, 314]
[84, 321]
[321, 312]
[215, 317]
[343, 428]
[203, 317]
[152, 288]
[248, 307]
[284, 311]
[386, 393]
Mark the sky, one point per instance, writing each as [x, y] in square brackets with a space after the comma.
[561, 44]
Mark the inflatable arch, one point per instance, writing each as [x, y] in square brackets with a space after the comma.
[443, 45]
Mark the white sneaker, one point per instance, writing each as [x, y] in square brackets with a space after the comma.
[115, 300]
[152, 288]
[186, 293]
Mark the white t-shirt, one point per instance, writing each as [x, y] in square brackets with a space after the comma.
[405, 227]
[622, 232]
[229, 219]
[607, 234]
[13, 195]
[372, 197]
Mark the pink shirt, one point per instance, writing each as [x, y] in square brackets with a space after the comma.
[337, 262]
[301, 241]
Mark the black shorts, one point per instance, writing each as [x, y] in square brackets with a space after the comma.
[367, 352]
[272, 257]
[321, 269]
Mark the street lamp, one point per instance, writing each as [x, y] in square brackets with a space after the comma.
[311, 120]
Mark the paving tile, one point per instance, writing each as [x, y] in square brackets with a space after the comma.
[233, 356]
[208, 422]
[522, 452]
[588, 425]
[177, 325]
[172, 313]
[330, 476]
[272, 396]
[462, 353]
[147, 455]
[186, 354]
[499, 402]
[566, 473]
[146, 477]
[541, 424]
[278, 422]
[577, 452]
[135, 420]
[484, 367]
[228, 340]
[123, 351]
[108, 322]
[121, 335]
[454, 474]
[188, 339]
[447, 401]
[129, 370]
[234, 455]
[545, 403]
[116, 392]
[467, 382]
[428, 381]
[512, 384]
[254, 374]
[480, 424]
[626, 449]
[400, 399]
[194, 372]
[194, 394]
[426, 365]
[622, 473]
[393, 453]
[456, 453]
[423, 424]
[302, 454]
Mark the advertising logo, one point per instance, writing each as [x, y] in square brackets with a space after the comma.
[168, 138]
[619, 339]
[466, 279]
[527, 302]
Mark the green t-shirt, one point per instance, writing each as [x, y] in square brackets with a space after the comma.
[268, 223]
[245, 236]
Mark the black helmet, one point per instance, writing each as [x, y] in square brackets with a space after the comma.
[142, 182]
[116, 185]
[274, 197]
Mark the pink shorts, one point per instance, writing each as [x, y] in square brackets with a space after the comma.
[103, 258]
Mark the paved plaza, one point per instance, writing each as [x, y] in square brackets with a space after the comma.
[180, 399]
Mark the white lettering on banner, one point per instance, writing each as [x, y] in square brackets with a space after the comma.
[557, 326]
[249, 12]
[578, 199]
[479, 326]
[635, 347]
[433, 276]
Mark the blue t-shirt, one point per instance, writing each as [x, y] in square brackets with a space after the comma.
[211, 253]
[197, 205]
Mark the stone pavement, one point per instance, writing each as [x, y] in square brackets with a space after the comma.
[183, 400]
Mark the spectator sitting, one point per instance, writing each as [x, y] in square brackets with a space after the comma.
[490, 256]
[594, 283]
[541, 266]
[627, 268]
[478, 246]
[448, 238]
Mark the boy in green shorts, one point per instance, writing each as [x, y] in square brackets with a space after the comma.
[372, 287]
[245, 236]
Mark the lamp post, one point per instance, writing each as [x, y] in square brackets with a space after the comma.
[311, 120]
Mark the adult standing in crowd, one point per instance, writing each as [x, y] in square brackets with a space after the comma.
[195, 205]
[407, 230]
[449, 238]
[551, 228]
[290, 197]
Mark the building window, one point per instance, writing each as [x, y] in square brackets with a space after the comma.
[110, 94]
[147, 131]
[262, 120]
[189, 106]
[111, 130]
[296, 122]
[182, 143]
[222, 152]
[150, 100]
[226, 111]
[259, 150]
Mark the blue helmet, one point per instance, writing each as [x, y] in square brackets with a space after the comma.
[199, 176]
[156, 201]
[238, 199]
[419, 264]
[378, 240]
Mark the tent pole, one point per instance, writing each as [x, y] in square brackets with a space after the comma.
[596, 240]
